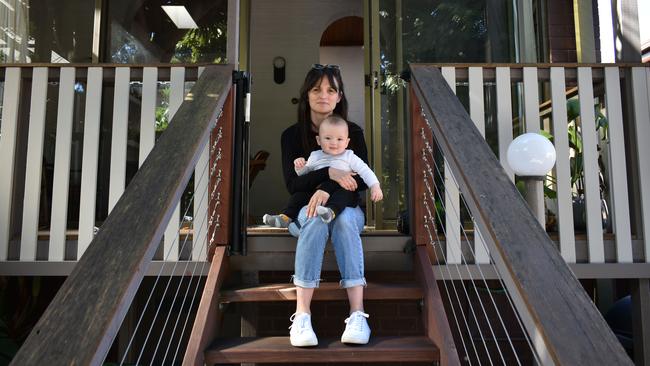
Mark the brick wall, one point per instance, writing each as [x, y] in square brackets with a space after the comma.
[561, 31]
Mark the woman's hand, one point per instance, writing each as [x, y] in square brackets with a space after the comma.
[343, 178]
[319, 198]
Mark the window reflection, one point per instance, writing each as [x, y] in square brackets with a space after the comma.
[144, 32]
[458, 31]
[46, 31]
[433, 31]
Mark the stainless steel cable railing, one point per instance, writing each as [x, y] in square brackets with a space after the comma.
[215, 174]
[539, 287]
[431, 165]
[81, 322]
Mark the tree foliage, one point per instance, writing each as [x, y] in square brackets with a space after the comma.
[203, 44]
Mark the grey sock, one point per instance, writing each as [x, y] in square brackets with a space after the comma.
[280, 220]
[326, 214]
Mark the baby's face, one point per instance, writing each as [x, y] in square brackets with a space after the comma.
[333, 139]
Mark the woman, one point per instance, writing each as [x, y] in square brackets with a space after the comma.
[320, 96]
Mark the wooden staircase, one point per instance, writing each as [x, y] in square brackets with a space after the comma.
[278, 350]
[435, 346]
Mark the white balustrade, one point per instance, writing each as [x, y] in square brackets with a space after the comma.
[640, 101]
[32, 198]
[477, 113]
[556, 123]
[171, 245]
[590, 161]
[504, 117]
[562, 166]
[501, 77]
[618, 174]
[34, 164]
[64, 121]
[89, 167]
[119, 136]
[8, 133]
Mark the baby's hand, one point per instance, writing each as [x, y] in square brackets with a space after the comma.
[375, 193]
[299, 163]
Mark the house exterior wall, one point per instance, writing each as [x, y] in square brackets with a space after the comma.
[277, 33]
[350, 58]
[275, 30]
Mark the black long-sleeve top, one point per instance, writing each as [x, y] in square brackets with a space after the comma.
[292, 149]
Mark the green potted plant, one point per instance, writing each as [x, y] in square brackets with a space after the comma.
[576, 164]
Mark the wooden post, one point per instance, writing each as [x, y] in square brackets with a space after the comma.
[418, 125]
[433, 314]
[220, 170]
[584, 29]
[209, 315]
[641, 321]
[435, 321]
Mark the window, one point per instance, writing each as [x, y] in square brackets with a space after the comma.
[145, 32]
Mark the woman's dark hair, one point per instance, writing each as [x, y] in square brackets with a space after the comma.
[313, 78]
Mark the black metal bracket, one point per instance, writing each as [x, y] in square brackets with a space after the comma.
[239, 210]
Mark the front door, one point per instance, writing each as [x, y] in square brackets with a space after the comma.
[298, 33]
[395, 33]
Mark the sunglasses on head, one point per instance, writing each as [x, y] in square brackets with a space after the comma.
[326, 66]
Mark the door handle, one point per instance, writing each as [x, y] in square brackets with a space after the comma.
[372, 80]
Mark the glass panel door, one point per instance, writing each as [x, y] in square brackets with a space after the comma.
[385, 127]
[402, 32]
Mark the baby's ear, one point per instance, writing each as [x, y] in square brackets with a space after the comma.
[318, 140]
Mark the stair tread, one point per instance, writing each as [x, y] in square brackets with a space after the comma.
[326, 291]
[279, 350]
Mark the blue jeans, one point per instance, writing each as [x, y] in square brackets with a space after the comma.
[344, 230]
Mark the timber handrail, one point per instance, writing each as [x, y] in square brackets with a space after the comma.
[562, 321]
[80, 323]
[163, 71]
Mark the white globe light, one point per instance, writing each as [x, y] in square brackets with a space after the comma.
[531, 155]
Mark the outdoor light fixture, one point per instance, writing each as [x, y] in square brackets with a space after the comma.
[180, 16]
[279, 64]
[531, 155]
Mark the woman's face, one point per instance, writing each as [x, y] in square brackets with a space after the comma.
[323, 97]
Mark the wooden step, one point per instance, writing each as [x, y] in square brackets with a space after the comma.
[326, 291]
[279, 350]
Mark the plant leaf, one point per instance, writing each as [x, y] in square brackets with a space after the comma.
[547, 135]
[550, 193]
[575, 140]
[572, 109]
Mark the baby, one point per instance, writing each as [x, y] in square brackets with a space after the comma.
[333, 140]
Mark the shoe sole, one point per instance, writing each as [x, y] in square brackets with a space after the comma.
[354, 340]
[304, 344]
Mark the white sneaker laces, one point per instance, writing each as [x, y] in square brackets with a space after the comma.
[302, 323]
[355, 320]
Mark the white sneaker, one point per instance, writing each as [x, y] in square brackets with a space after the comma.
[302, 334]
[357, 330]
